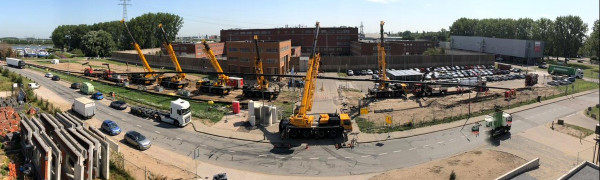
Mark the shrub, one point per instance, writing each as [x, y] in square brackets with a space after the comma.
[452, 175]
[77, 53]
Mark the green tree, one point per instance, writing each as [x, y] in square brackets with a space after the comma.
[543, 30]
[569, 35]
[463, 27]
[97, 43]
[591, 45]
[145, 28]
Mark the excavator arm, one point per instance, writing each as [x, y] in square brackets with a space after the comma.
[222, 79]
[147, 67]
[258, 68]
[169, 47]
[381, 60]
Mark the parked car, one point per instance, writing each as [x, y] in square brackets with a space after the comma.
[357, 72]
[543, 66]
[572, 79]
[554, 83]
[374, 76]
[363, 72]
[56, 78]
[98, 96]
[110, 127]
[120, 105]
[369, 72]
[376, 72]
[76, 85]
[48, 75]
[137, 140]
[33, 85]
[350, 73]
[580, 60]
[564, 82]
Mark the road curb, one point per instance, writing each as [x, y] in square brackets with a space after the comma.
[540, 105]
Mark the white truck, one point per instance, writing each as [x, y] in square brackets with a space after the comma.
[85, 107]
[498, 123]
[13, 62]
[180, 114]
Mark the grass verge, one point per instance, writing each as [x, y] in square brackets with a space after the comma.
[596, 111]
[583, 131]
[119, 173]
[201, 110]
[342, 75]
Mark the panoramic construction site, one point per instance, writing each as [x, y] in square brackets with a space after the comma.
[133, 99]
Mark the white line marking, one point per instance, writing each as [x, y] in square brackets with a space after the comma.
[313, 158]
[412, 149]
[451, 140]
[382, 154]
[296, 157]
[202, 145]
[348, 157]
[366, 156]
[232, 151]
[281, 157]
[157, 132]
[426, 145]
[138, 125]
[178, 138]
[440, 142]
[331, 158]
[262, 155]
[397, 151]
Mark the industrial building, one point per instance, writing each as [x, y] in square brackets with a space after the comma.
[275, 54]
[331, 41]
[392, 47]
[194, 50]
[512, 50]
[404, 75]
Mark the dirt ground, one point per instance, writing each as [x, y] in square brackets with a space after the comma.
[429, 108]
[476, 164]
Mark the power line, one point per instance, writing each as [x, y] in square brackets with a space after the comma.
[124, 4]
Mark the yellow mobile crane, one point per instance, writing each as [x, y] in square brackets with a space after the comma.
[147, 79]
[385, 89]
[220, 86]
[261, 89]
[306, 126]
[178, 81]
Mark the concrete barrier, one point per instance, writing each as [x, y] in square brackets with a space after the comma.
[577, 169]
[521, 169]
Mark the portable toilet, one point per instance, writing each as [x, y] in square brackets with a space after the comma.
[54, 61]
[87, 88]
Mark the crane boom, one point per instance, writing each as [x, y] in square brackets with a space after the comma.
[222, 79]
[169, 47]
[381, 59]
[147, 67]
[312, 72]
[258, 68]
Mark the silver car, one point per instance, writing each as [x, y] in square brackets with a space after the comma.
[137, 140]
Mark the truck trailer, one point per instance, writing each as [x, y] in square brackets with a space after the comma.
[13, 62]
[563, 70]
[179, 115]
[85, 107]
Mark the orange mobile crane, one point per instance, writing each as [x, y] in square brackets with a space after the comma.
[147, 79]
[261, 89]
[385, 89]
[178, 81]
[306, 126]
[220, 86]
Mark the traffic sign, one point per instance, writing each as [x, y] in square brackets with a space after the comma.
[388, 120]
[364, 111]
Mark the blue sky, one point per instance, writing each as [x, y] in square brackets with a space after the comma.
[28, 18]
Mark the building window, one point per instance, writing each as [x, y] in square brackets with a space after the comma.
[270, 61]
[233, 49]
[244, 49]
[183, 48]
[232, 58]
[271, 50]
[242, 33]
[342, 37]
[263, 32]
[308, 31]
[244, 60]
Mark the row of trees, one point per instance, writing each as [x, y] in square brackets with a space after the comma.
[563, 36]
[102, 38]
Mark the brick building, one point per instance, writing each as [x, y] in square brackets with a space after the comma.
[331, 40]
[369, 47]
[195, 49]
[275, 54]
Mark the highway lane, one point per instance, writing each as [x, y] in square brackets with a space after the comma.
[324, 159]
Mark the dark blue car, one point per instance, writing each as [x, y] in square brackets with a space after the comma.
[110, 127]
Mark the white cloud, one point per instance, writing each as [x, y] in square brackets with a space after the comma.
[382, 1]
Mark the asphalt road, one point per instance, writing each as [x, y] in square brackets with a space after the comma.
[321, 159]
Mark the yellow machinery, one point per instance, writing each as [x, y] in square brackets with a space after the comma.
[261, 89]
[305, 126]
[147, 79]
[384, 89]
[178, 81]
[220, 86]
